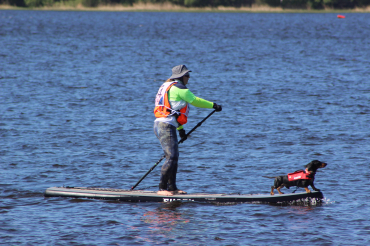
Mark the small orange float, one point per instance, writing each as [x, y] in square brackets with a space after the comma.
[341, 16]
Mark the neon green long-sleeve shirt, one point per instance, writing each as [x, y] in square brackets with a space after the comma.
[176, 94]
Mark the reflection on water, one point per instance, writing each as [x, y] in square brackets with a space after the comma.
[300, 209]
[165, 218]
[77, 91]
[162, 223]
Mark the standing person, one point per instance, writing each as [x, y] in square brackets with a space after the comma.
[171, 112]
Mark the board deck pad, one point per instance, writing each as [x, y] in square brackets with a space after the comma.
[152, 196]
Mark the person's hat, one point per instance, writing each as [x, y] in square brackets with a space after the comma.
[179, 71]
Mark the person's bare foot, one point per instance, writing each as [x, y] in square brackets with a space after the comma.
[170, 193]
[165, 193]
[180, 192]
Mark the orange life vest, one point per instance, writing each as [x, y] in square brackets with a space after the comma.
[298, 175]
[163, 107]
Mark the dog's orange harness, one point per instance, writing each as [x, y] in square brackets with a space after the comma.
[298, 175]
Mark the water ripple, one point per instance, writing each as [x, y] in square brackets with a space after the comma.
[77, 93]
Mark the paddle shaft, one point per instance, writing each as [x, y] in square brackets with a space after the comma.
[164, 156]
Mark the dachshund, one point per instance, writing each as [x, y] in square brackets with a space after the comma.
[302, 178]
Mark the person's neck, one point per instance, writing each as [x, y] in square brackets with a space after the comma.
[179, 81]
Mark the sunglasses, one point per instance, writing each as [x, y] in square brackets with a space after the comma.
[187, 75]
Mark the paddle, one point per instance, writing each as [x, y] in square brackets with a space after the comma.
[164, 156]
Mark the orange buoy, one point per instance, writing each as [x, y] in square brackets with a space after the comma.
[341, 16]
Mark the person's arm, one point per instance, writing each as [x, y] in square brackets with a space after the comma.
[188, 96]
[201, 103]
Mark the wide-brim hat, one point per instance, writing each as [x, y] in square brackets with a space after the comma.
[179, 71]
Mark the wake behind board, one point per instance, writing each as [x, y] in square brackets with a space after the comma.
[152, 196]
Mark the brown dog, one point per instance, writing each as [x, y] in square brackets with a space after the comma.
[308, 178]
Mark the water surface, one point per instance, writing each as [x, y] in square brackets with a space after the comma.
[77, 92]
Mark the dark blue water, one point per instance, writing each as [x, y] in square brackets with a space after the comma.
[76, 98]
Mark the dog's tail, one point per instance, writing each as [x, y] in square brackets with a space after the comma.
[269, 177]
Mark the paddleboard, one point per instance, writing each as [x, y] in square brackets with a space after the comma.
[152, 196]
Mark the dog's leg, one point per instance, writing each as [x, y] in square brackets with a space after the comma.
[307, 190]
[314, 188]
[272, 190]
[278, 189]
